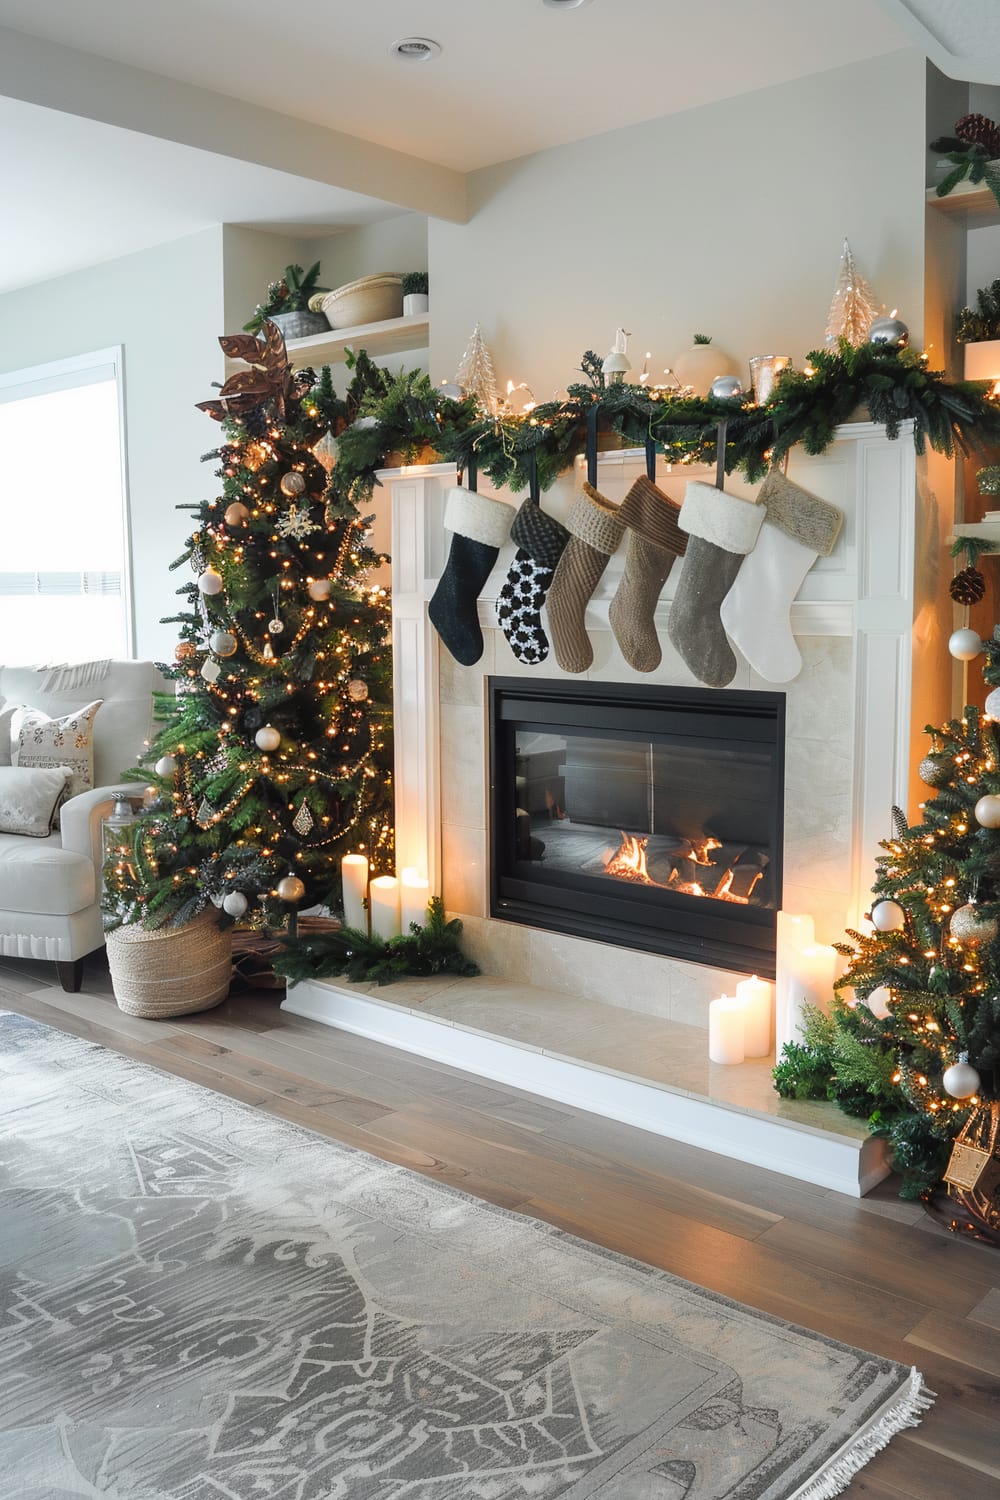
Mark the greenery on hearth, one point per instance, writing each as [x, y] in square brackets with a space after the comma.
[803, 409]
[977, 325]
[290, 293]
[423, 951]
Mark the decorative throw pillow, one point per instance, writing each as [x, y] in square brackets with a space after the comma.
[39, 741]
[29, 800]
[6, 716]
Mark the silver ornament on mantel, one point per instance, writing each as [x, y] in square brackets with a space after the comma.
[970, 927]
[961, 1080]
[936, 769]
[726, 387]
[892, 331]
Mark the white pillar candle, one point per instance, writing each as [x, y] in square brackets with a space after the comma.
[794, 933]
[414, 894]
[805, 977]
[383, 901]
[758, 997]
[354, 875]
[726, 1022]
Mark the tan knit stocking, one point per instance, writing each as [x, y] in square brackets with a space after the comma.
[654, 540]
[595, 532]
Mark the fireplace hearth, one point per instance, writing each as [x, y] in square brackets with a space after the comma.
[648, 817]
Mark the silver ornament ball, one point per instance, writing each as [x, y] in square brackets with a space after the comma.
[970, 927]
[892, 331]
[935, 770]
[275, 626]
[888, 916]
[292, 484]
[267, 738]
[725, 387]
[234, 903]
[223, 643]
[961, 1080]
[964, 644]
[878, 1002]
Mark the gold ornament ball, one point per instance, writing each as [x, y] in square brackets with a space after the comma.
[292, 484]
[267, 738]
[988, 811]
[319, 589]
[357, 690]
[970, 927]
[935, 770]
[236, 514]
[223, 643]
[184, 650]
[291, 888]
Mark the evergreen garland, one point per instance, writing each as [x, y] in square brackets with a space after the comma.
[431, 949]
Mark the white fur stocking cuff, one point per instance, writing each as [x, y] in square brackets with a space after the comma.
[724, 520]
[478, 517]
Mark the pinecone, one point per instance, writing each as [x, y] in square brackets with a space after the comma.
[977, 130]
[968, 586]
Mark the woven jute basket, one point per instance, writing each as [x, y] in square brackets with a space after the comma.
[373, 299]
[170, 971]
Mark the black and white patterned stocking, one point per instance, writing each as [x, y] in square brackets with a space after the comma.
[540, 540]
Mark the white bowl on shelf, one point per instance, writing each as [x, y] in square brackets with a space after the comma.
[372, 299]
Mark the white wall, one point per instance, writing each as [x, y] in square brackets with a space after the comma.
[165, 306]
[396, 244]
[726, 220]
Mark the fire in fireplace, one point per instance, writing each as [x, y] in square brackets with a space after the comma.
[648, 817]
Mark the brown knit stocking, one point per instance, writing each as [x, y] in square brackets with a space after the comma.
[654, 540]
[595, 532]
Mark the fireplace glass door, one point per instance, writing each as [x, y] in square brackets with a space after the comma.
[645, 817]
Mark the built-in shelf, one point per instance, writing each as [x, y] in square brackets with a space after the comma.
[972, 202]
[983, 531]
[391, 336]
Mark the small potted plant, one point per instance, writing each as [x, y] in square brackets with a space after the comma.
[979, 330]
[290, 304]
[415, 288]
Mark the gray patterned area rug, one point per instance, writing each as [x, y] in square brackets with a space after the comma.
[202, 1303]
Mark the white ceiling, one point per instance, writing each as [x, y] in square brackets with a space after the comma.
[962, 37]
[514, 77]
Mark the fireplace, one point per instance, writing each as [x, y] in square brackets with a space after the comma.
[649, 817]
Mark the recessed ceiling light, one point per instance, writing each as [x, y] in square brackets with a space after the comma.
[415, 49]
[565, 4]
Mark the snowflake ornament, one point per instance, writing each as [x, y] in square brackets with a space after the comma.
[295, 523]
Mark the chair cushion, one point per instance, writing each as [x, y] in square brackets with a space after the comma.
[29, 799]
[39, 875]
[38, 740]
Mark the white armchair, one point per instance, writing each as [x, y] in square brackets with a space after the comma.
[50, 889]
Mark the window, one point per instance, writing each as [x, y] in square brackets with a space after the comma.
[64, 592]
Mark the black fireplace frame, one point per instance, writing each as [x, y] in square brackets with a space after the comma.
[702, 930]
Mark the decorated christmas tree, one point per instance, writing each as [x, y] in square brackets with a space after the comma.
[274, 758]
[917, 1035]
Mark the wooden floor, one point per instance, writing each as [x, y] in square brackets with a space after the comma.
[877, 1273]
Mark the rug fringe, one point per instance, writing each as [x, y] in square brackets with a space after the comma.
[906, 1412]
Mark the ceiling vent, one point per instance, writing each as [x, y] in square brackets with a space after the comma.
[415, 49]
[565, 4]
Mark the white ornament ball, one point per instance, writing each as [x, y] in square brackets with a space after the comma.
[964, 644]
[223, 643]
[961, 1080]
[988, 811]
[292, 484]
[210, 670]
[275, 626]
[878, 1002]
[210, 582]
[234, 903]
[970, 927]
[165, 766]
[291, 888]
[267, 738]
[320, 588]
[992, 704]
[888, 916]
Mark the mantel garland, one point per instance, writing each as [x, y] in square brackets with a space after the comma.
[805, 408]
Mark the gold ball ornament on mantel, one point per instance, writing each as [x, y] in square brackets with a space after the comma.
[936, 769]
[236, 514]
[357, 690]
[290, 888]
[969, 926]
[292, 484]
[988, 811]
